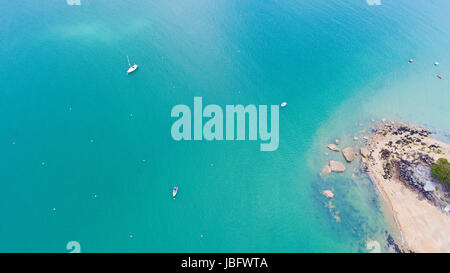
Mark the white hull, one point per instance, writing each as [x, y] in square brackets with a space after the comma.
[132, 69]
[174, 192]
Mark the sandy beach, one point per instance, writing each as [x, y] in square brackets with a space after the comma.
[423, 224]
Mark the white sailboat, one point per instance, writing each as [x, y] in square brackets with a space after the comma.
[131, 68]
[174, 192]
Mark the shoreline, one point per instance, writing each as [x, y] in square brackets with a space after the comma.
[392, 150]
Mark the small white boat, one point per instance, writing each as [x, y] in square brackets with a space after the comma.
[283, 104]
[175, 191]
[436, 63]
[131, 68]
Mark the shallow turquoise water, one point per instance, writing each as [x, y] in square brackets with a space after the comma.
[336, 63]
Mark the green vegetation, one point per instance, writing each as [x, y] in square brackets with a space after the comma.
[441, 171]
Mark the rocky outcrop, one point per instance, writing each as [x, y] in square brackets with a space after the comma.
[349, 154]
[337, 166]
[398, 160]
[417, 176]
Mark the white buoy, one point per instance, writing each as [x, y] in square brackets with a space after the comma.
[283, 104]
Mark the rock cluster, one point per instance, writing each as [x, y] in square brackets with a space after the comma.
[405, 155]
[388, 170]
[398, 157]
[416, 175]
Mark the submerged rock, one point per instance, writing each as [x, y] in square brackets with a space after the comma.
[392, 244]
[328, 194]
[326, 169]
[333, 147]
[349, 154]
[337, 166]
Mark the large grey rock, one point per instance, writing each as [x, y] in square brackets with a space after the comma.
[337, 166]
[333, 147]
[349, 154]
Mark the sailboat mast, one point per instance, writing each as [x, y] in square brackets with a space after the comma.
[128, 61]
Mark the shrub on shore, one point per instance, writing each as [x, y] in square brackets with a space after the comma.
[441, 171]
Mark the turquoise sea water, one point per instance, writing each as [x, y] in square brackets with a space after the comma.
[86, 151]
